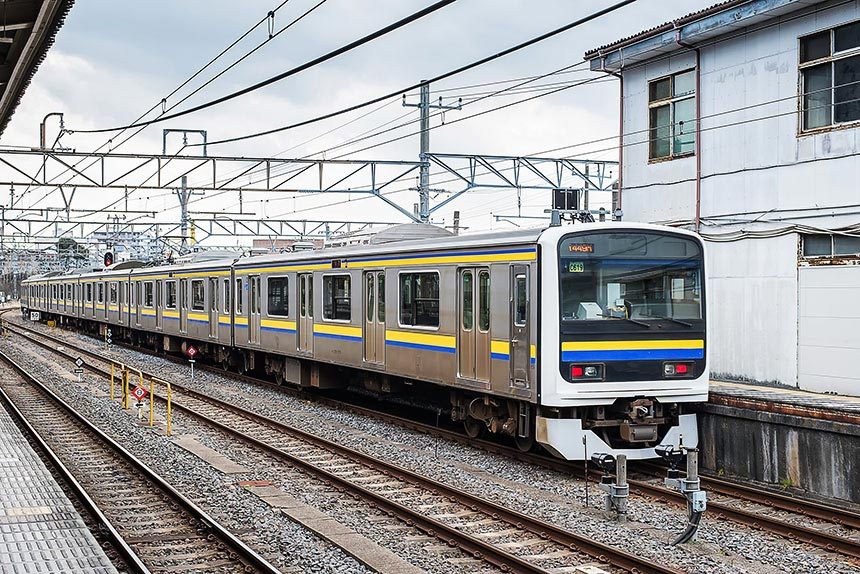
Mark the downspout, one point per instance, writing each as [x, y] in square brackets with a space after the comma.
[620, 125]
[697, 221]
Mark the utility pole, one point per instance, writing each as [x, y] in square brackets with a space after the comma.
[424, 106]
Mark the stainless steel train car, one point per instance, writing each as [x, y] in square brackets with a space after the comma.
[587, 339]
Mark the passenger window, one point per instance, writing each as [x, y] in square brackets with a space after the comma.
[468, 291]
[380, 298]
[239, 295]
[278, 296]
[419, 299]
[89, 292]
[101, 292]
[484, 300]
[336, 298]
[170, 298]
[369, 293]
[226, 306]
[198, 295]
[520, 300]
[112, 292]
[147, 294]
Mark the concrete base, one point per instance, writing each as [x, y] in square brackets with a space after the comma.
[815, 456]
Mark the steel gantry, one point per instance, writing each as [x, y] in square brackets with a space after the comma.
[34, 175]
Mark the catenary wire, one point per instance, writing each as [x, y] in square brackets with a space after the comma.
[293, 71]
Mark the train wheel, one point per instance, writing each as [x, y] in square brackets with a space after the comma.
[473, 427]
[524, 443]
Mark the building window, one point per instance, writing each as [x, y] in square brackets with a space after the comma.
[170, 296]
[198, 295]
[336, 298]
[824, 245]
[278, 296]
[147, 294]
[830, 77]
[419, 299]
[672, 115]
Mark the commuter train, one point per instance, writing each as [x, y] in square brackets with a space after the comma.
[587, 338]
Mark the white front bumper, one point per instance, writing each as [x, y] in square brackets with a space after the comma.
[566, 439]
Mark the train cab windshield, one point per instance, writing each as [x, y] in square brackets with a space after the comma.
[640, 277]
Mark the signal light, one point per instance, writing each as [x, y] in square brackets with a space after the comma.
[586, 372]
[108, 259]
[677, 369]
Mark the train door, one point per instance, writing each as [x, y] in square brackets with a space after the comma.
[473, 333]
[520, 355]
[254, 310]
[159, 304]
[213, 307]
[305, 323]
[120, 301]
[374, 317]
[183, 305]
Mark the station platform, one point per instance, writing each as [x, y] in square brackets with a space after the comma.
[787, 401]
[40, 530]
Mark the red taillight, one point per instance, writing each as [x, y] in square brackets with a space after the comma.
[681, 369]
[575, 372]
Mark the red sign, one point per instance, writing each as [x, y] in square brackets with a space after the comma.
[191, 351]
[139, 393]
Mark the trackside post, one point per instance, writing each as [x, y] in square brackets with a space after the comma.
[152, 382]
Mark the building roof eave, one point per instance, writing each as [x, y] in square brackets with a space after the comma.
[693, 28]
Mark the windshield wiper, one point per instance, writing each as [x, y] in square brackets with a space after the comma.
[678, 321]
[644, 324]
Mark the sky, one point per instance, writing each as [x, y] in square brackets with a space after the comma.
[113, 60]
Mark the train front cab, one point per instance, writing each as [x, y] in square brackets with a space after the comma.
[623, 338]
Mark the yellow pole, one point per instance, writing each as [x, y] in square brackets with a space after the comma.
[112, 375]
[151, 400]
[124, 388]
[169, 419]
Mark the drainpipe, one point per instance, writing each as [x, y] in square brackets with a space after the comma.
[697, 220]
[620, 125]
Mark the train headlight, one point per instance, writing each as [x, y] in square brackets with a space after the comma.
[586, 372]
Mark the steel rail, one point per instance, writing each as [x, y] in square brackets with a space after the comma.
[477, 547]
[252, 561]
[106, 528]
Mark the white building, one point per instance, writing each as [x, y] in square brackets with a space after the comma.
[770, 175]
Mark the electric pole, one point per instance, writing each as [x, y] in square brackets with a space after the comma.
[424, 106]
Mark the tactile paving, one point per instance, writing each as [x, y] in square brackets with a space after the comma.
[40, 530]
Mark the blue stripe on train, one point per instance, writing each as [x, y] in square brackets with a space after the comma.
[633, 355]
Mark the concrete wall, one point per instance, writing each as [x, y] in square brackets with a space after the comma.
[804, 455]
[752, 314]
[829, 345]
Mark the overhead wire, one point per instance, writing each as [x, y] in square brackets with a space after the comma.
[293, 71]
[161, 102]
[437, 78]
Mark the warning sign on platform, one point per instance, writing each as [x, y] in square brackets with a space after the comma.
[139, 392]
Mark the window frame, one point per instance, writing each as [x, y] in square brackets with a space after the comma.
[167, 285]
[113, 293]
[226, 296]
[151, 285]
[672, 100]
[830, 59]
[238, 299]
[286, 296]
[400, 299]
[334, 307]
[202, 307]
[481, 308]
[516, 293]
[832, 255]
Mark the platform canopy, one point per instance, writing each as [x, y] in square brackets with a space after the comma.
[27, 31]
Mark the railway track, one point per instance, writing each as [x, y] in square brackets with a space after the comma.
[154, 527]
[503, 537]
[723, 507]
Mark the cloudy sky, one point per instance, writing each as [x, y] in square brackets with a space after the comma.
[113, 60]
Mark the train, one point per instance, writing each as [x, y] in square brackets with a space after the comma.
[585, 339]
